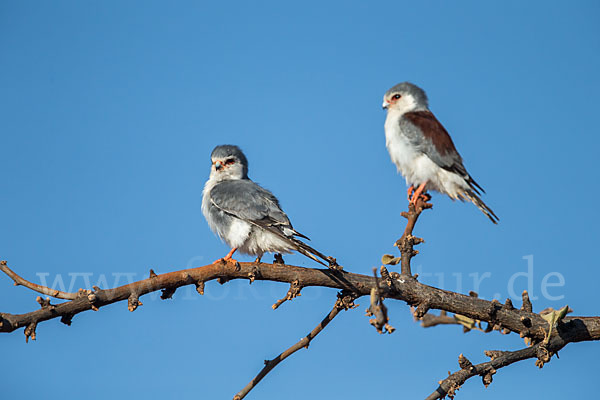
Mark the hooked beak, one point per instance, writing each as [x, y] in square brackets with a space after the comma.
[218, 165]
[385, 104]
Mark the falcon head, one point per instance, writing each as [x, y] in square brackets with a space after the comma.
[228, 162]
[405, 97]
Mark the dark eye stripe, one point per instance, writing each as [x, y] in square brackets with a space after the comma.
[229, 161]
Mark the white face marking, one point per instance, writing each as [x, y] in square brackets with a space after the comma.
[402, 105]
[226, 168]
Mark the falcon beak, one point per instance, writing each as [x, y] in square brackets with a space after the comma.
[218, 165]
[385, 104]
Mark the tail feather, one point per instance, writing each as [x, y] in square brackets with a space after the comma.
[470, 195]
[309, 252]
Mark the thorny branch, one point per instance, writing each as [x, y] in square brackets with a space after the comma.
[469, 310]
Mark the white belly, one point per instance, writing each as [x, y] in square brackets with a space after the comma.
[417, 167]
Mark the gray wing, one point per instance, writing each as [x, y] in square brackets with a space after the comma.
[248, 201]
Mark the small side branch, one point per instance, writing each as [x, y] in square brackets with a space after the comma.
[499, 359]
[378, 309]
[344, 302]
[33, 286]
[292, 293]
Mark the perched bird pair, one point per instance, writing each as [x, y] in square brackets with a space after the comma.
[249, 218]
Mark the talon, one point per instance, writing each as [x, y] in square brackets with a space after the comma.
[228, 259]
[418, 193]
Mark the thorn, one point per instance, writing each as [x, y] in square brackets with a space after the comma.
[487, 378]
[253, 274]
[96, 288]
[526, 302]
[508, 304]
[464, 363]
[167, 293]
[422, 309]
[92, 299]
[30, 332]
[493, 354]
[200, 287]
[66, 319]
[133, 302]
[493, 307]
[345, 300]
[152, 273]
[44, 303]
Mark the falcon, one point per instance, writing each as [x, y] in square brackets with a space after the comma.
[245, 215]
[423, 151]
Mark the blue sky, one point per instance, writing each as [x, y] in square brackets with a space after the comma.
[109, 112]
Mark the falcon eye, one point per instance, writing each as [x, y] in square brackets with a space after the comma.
[229, 161]
[396, 96]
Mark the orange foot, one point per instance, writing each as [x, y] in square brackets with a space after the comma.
[418, 193]
[228, 258]
[409, 192]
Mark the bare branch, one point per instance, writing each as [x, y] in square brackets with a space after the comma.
[395, 286]
[33, 286]
[469, 311]
[499, 359]
[407, 241]
[345, 301]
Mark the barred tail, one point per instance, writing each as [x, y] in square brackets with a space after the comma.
[473, 198]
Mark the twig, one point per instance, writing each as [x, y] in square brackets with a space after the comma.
[343, 303]
[429, 320]
[293, 292]
[33, 286]
[378, 309]
[407, 241]
[499, 359]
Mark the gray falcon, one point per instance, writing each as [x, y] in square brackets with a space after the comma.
[246, 216]
[423, 151]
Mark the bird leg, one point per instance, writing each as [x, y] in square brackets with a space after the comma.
[418, 192]
[409, 192]
[257, 261]
[228, 258]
